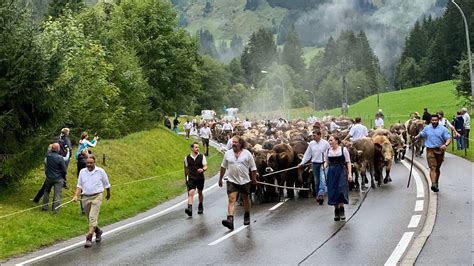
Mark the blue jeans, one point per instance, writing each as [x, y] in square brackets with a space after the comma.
[175, 129]
[319, 183]
[460, 142]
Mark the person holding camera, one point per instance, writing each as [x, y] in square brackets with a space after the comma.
[84, 143]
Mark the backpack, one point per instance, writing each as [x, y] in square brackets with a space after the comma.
[62, 146]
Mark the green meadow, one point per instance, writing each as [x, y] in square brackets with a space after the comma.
[144, 168]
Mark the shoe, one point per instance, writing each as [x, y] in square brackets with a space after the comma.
[189, 210]
[320, 200]
[98, 235]
[247, 218]
[434, 187]
[342, 215]
[336, 214]
[88, 243]
[229, 222]
[200, 208]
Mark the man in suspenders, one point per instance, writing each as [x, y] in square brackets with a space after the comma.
[195, 164]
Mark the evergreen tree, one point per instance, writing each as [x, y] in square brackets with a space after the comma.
[207, 46]
[258, 53]
[236, 45]
[292, 54]
[56, 7]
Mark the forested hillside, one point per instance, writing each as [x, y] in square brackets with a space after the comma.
[436, 50]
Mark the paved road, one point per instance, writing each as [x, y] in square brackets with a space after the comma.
[451, 241]
[298, 231]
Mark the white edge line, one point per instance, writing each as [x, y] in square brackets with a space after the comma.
[277, 205]
[399, 249]
[419, 205]
[228, 235]
[113, 230]
[414, 221]
[420, 189]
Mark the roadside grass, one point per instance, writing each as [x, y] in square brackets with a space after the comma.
[397, 107]
[144, 168]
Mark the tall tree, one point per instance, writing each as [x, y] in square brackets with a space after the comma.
[56, 7]
[292, 54]
[258, 53]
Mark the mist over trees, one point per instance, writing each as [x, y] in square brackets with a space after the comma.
[435, 48]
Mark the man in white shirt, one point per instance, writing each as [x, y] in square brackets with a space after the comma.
[187, 128]
[205, 134]
[228, 129]
[91, 182]
[237, 164]
[247, 124]
[467, 126]
[378, 121]
[358, 130]
[315, 152]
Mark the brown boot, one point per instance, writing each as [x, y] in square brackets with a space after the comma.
[88, 243]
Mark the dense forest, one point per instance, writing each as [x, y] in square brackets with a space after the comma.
[436, 50]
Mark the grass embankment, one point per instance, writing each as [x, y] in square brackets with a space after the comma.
[397, 107]
[145, 169]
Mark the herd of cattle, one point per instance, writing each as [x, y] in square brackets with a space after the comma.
[284, 146]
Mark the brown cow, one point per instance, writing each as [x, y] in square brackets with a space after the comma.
[364, 160]
[383, 156]
[282, 158]
[414, 127]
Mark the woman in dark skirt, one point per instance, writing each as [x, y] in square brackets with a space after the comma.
[338, 177]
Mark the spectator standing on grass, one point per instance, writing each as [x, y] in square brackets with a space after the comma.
[65, 149]
[91, 184]
[445, 122]
[459, 128]
[55, 171]
[40, 193]
[378, 121]
[195, 164]
[167, 123]
[175, 125]
[467, 126]
[81, 164]
[84, 143]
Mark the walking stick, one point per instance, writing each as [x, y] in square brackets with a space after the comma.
[63, 204]
[411, 165]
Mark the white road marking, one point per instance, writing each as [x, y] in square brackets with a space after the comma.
[414, 221]
[277, 205]
[420, 189]
[419, 205]
[400, 249]
[158, 214]
[228, 235]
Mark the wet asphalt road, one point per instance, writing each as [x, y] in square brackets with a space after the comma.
[299, 231]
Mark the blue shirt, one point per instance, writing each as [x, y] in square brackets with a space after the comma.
[435, 137]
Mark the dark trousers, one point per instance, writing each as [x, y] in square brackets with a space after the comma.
[48, 185]
[466, 138]
[40, 193]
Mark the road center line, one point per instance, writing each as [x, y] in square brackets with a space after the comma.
[419, 205]
[158, 214]
[277, 205]
[400, 249]
[228, 235]
[420, 189]
[414, 221]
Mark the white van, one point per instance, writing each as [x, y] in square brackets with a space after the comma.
[208, 114]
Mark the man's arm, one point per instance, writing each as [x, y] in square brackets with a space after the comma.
[221, 176]
[253, 176]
